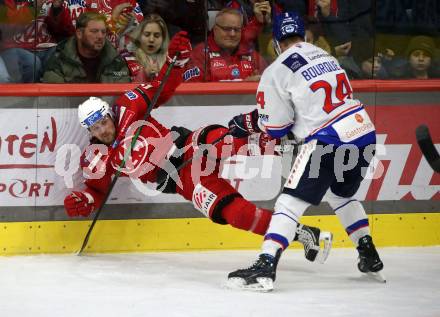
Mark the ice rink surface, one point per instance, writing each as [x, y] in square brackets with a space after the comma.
[191, 284]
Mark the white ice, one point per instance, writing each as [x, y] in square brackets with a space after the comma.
[191, 284]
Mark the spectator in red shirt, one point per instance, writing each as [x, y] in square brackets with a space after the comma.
[227, 56]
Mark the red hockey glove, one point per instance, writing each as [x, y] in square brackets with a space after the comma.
[181, 45]
[79, 204]
[244, 125]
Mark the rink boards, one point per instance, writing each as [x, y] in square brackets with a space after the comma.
[401, 197]
[191, 234]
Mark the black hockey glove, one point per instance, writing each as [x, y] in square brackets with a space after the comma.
[244, 125]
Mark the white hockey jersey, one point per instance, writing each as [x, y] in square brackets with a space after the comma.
[307, 92]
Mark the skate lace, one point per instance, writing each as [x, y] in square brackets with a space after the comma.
[306, 238]
[259, 263]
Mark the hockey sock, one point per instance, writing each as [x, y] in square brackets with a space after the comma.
[282, 227]
[244, 215]
[352, 215]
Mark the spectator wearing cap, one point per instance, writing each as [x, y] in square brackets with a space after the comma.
[227, 57]
[87, 57]
[420, 54]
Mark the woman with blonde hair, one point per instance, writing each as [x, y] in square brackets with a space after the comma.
[148, 47]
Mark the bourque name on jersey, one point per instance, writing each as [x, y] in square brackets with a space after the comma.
[319, 69]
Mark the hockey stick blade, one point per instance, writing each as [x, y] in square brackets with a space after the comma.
[427, 147]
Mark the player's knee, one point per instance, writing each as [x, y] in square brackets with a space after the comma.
[291, 206]
[242, 214]
[336, 201]
[210, 199]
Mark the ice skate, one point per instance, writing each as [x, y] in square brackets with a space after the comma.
[311, 238]
[369, 261]
[258, 277]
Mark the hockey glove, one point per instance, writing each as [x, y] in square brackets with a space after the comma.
[180, 46]
[79, 204]
[244, 125]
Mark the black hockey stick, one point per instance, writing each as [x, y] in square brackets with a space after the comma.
[427, 147]
[196, 155]
[127, 153]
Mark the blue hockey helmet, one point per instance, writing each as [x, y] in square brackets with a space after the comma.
[288, 24]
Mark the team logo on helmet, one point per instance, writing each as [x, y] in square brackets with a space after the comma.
[93, 118]
[288, 28]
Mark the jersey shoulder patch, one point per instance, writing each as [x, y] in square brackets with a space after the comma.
[131, 95]
[294, 62]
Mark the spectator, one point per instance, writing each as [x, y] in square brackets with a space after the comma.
[343, 21]
[369, 63]
[420, 54]
[180, 15]
[150, 39]
[4, 74]
[26, 52]
[227, 57]
[314, 34]
[87, 56]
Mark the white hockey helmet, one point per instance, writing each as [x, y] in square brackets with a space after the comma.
[92, 110]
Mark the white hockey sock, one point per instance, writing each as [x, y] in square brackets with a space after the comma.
[282, 227]
[352, 215]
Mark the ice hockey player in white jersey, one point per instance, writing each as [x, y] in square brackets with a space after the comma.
[305, 91]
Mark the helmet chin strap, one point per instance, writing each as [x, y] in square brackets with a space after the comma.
[276, 47]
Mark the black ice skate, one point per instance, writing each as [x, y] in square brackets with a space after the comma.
[369, 261]
[258, 277]
[311, 239]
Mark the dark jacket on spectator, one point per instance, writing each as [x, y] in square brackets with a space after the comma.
[351, 20]
[65, 66]
[180, 15]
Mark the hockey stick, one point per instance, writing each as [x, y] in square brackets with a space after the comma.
[127, 153]
[196, 155]
[427, 147]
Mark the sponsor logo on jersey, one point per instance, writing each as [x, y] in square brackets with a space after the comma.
[246, 65]
[203, 199]
[190, 73]
[218, 64]
[131, 95]
[359, 118]
[263, 117]
[315, 55]
[235, 72]
[295, 62]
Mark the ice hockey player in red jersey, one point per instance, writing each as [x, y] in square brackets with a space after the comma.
[158, 150]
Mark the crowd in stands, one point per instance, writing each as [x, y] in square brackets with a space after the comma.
[89, 41]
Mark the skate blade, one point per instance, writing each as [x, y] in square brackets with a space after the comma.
[264, 284]
[377, 276]
[326, 238]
